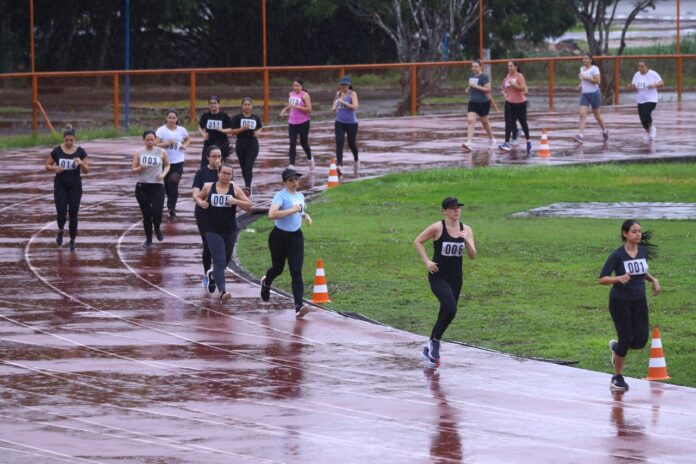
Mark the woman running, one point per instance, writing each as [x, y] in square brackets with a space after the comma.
[247, 127]
[628, 305]
[299, 107]
[345, 106]
[479, 106]
[214, 126]
[151, 164]
[515, 91]
[646, 82]
[204, 176]
[590, 96]
[286, 241]
[223, 197]
[175, 139]
[69, 162]
[451, 239]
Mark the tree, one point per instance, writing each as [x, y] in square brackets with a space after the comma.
[597, 17]
[417, 29]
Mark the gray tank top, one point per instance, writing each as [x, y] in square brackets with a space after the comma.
[153, 160]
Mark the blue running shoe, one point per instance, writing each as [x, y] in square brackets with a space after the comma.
[434, 347]
[529, 147]
[425, 354]
[505, 147]
[205, 281]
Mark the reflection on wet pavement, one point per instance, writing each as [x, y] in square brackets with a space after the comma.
[113, 354]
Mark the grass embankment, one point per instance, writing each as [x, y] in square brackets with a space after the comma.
[533, 289]
[38, 140]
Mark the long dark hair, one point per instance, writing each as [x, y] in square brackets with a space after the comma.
[69, 130]
[644, 238]
[517, 66]
[592, 61]
[301, 82]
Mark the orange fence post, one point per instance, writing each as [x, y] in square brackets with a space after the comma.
[679, 78]
[551, 84]
[617, 65]
[414, 82]
[192, 97]
[116, 115]
[341, 72]
[266, 97]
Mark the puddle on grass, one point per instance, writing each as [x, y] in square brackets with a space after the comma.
[623, 210]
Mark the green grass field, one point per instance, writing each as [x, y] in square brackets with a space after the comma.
[533, 289]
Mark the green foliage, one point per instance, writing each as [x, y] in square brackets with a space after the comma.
[532, 290]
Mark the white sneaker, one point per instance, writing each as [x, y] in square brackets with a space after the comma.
[311, 164]
[653, 132]
[493, 142]
[291, 166]
[646, 137]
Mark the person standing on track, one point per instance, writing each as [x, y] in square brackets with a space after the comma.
[286, 241]
[151, 164]
[222, 197]
[646, 82]
[68, 161]
[451, 239]
[247, 127]
[515, 91]
[204, 176]
[299, 107]
[214, 126]
[345, 106]
[628, 305]
[175, 139]
[590, 97]
[479, 106]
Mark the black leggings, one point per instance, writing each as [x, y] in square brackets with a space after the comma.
[447, 292]
[515, 112]
[303, 131]
[171, 184]
[645, 113]
[247, 150]
[151, 200]
[341, 129]
[632, 324]
[207, 259]
[221, 246]
[287, 246]
[67, 196]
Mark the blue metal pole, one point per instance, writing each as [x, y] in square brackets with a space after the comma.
[127, 90]
[446, 47]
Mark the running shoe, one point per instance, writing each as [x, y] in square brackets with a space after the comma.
[612, 344]
[147, 244]
[205, 281]
[265, 291]
[59, 238]
[71, 245]
[225, 297]
[159, 234]
[434, 348]
[529, 147]
[172, 213]
[356, 166]
[425, 354]
[505, 147]
[618, 383]
[339, 170]
[466, 146]
[605, 135]
[579, 138]
[514, 139]
[646, 137]
[653, 132]
[301, 311]
[492, 142]
[311, 164]
[211, 281]
[247, 191]
[291, 166]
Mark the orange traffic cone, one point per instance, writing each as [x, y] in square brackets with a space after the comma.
[333, 175]
[544, 151]
[321, 291]
[657, 367]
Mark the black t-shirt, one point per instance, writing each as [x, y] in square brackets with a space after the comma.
[252, 122]
[211, 123]
[222, 218]
[71, 172]
[620, 263]
[202, 177]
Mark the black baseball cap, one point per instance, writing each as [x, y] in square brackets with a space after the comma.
[290, 172]
[450, 202]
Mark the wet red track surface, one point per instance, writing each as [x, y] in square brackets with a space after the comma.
[113, 354]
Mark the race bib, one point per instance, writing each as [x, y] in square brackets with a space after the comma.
[67, 164]
[636, 267]
[213, 124]
[219, 201]
[640, 85]
[473, 80]
[176, 146]
[302, 207]
[147, 160]
[452, 249]
[249, 123]
[294, 100]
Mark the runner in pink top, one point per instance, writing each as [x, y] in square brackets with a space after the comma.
[299, 107]
[514, 89]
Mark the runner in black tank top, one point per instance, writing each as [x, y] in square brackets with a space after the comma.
[445, 269]
[204, 176]
[223, 198]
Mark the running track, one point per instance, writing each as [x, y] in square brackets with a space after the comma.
[115, 355]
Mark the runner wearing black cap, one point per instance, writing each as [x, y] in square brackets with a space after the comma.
[451, 239]
[286, 241]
